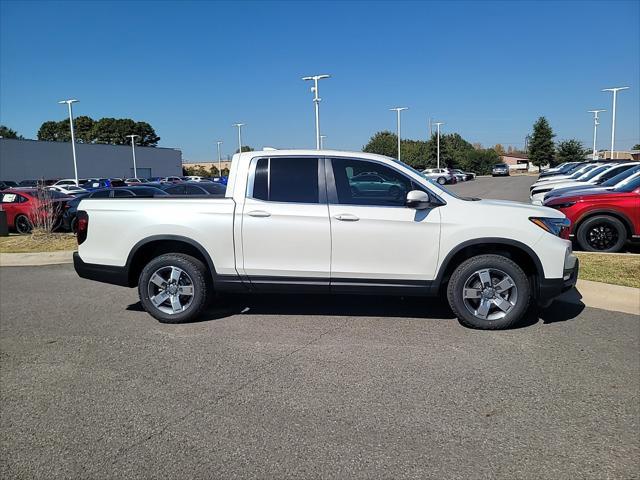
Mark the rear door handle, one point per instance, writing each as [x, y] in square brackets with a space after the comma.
[346, 217]
[258, 213]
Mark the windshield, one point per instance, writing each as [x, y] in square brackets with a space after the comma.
[572, 168]
[582, 171]
[594, 172]
[630, 185]
[613, 181]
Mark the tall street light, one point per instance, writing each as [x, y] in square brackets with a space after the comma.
[219, 142]
[398, 110]
[133, 151]
[73, 137]
[322, 137]
[239, 125]
[316, 101]
[595, 131]
[437, 124]
[613, 121]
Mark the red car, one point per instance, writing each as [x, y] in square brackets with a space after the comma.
[603, 221]
[24, 206]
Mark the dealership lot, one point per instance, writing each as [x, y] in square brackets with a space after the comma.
[309, 386]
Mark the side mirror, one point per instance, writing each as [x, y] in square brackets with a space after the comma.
[418, 199]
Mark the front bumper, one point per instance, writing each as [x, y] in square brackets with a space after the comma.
[550, 288]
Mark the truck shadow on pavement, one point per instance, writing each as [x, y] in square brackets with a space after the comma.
[567, 307]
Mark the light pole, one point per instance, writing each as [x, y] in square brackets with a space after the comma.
[73, 137]
[437, 124]
[133, 151]
[239, 125]
[613, 114]
[219, 142]
[316, 101]
[398, 110]
[595, 131]
[322, 137]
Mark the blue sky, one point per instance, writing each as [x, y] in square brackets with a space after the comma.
[192, 69]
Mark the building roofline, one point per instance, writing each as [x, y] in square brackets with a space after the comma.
[80, 143]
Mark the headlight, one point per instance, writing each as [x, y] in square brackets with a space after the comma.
[563, 205]
[555, 226]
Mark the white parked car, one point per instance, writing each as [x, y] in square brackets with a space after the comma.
[68, 189]
[595, 176]
[68, 181]
[561, 178]
[313, 221]
[438, 175]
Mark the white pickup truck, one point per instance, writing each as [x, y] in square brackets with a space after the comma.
[328, 222]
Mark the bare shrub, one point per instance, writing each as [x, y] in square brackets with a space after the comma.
[46, 212]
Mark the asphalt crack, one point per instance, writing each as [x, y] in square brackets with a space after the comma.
[264, 369]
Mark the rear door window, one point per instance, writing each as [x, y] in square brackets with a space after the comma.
[287, 179]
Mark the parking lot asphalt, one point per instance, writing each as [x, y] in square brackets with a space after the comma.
[307, 387]
[515, 187]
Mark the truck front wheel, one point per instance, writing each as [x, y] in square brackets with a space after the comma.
[489, 292]
[173, 288]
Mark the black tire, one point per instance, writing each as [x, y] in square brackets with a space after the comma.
[23, 225]
[602, 233]
[441, 180]
[464, 273]
[197, 274]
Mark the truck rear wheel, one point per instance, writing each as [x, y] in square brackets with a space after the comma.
[489, 292]
[173, 288]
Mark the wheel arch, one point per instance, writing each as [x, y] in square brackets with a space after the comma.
[151, 247]
[628, 225]
[517, 251]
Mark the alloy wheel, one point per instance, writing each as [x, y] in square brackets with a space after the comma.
[602, 236]
[490, 294]
[170, 290]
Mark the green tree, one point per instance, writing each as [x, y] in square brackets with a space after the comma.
[245, 148]
[570, 151]
[541, 148]
[83, 127]
[147, 134]
[636, 147]
[54, 131]
[6, 132]
[480, 161]
[383, 143]
[453, 149]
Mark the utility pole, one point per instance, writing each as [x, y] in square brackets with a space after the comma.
[595, 131]
[73, 137]
[398, 110]
[219, 142]
[316, 101]
[615, 91]
[239, 125]
[437, 124]
[133, 151]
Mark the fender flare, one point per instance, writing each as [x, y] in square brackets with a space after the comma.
[486, 240]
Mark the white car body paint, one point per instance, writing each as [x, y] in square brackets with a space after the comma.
[248, 237]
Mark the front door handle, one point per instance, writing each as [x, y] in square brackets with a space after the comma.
[346, 217]
[258, 213]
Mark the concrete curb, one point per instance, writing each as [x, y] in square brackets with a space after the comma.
[593, 294]
[35, 259]
[615, 298]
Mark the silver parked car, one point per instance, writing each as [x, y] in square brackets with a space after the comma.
[439, 175]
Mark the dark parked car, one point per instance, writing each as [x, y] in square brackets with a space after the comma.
[7, 184]
[71, 208]
[100, 183]
[195, 188]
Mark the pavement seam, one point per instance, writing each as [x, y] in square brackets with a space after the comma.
[264, 369]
